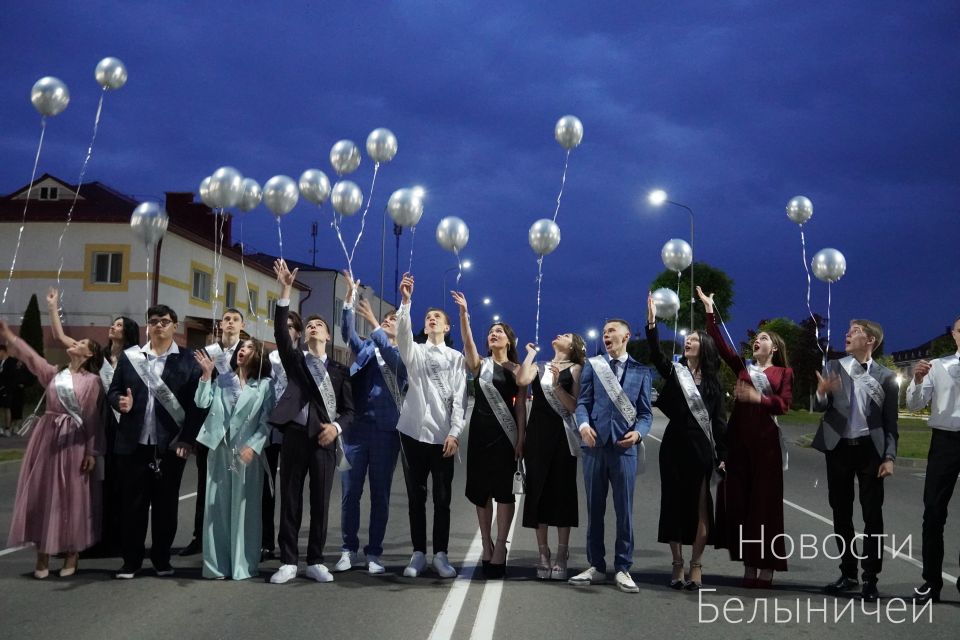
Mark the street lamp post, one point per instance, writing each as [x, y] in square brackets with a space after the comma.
[659, 197]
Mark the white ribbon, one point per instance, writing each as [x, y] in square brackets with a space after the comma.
[952, 370]
[612, 386]
[570, 429]
[155, 385]
[322, 379]
[496, 402]
[278, 373]
[106, 377]
[219, 357]
[63, 382]
[390, 378]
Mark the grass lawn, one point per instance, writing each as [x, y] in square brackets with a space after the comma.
[10, 454]
[914, 433]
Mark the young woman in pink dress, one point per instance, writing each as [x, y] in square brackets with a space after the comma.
[57, 507]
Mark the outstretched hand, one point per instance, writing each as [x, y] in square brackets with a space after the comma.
[206, 364]
[352, 285]
[53, 297]
[284, 276]
[651, 309]
[706, 299]
[461, 301]
[406, 287]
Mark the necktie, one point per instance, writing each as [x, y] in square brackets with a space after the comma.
[615, 366]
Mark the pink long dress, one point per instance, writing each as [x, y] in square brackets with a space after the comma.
[58, 506]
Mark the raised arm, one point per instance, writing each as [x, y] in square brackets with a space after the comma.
[731, 357]
[653, 340]
[347, 330]
[285, 346]
[53, 306]
[23, 352]
[470, 354]
[528, 368]
[920, 391]
[405, 343]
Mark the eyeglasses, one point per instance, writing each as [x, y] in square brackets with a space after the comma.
[160, 322]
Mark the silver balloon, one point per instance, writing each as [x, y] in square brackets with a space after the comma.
[676, 254]
[381, 145]
[568, 132]
[344, 157]
[315, 186]
[405, 207]
[543, 236]
[667, 303]
[49, 96]
[346, 198]
[226, 187]
[252, 194]
[453, 233]
[828, 265]
[280, 194]
[149, 222]
[205, 196]
[799, 209]
[111, 73]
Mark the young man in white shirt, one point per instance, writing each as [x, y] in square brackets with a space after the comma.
[430, 423]
[937, 383]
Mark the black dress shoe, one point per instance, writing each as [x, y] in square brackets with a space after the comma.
[869, 592]
[841, 584]
[925, 593]
[192, 549]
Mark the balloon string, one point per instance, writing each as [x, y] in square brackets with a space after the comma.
[733, 344]
[413, 233]
[816, 325]
[829, 301]
[76, 196]
[243, 269]
[536, 332]
[146, 247]
[363, 218]
[23, 221]
[456, 252]
[676, 320]
[346, 254]
[563, 182]
[280, 237]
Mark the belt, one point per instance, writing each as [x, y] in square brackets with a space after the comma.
[853, 442]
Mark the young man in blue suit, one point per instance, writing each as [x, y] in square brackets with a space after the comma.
[613, 411]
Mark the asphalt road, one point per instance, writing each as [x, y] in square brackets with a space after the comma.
[93, 605]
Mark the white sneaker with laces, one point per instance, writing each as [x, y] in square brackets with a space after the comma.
[319, 573]
[285, 573]
[442, 565]
[418, 562]
[374, 566]
[625, 583]
[588, 577]
[348, 560]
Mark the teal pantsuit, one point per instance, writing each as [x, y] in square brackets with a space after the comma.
[231, 521]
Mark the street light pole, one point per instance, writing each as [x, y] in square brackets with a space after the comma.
[659, 197]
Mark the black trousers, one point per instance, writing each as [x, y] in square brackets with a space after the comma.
[943, 467]
[421, 459]
[301, 456]
[859, 462]
[141, 489]
[200, 452]
[268, 502]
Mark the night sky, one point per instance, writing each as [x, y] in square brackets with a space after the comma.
[732, 107]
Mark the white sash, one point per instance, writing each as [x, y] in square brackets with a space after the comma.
[435, 373]
[864, 385]
[322, 379]
[612, 386]
[63, 383]
[762, 384]
[694, 400]
[156, 385]
[219, 357]
[106, 377]
[226, 379]
[278, 374]
[390, 378]
[570, 428]
[496, 402]
[952, 370]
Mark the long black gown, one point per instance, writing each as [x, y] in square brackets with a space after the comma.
[490, 456]
[686, 458]
[551, 495]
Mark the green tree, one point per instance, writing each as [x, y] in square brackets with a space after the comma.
[943, 346]
[710, 279]
[31, 331]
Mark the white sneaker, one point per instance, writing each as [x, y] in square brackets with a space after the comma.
[285, 573]
[418, 562]
[319, 573]
[4, 433]
[588, 577]
[348, 560]
[625, 583]
[442, 565]
[374, 566]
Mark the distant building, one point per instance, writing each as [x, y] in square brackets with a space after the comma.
[907, 359]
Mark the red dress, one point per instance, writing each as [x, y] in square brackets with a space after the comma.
[751, 495]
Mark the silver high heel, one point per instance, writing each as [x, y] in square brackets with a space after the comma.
[559, 570]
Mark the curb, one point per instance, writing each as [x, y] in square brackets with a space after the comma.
[905, 463]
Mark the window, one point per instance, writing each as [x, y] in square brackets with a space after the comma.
[337, 312]
[201, 285]
[230, 295]
[107, 268]
[49, 193]
[252, 301]
[271, 307]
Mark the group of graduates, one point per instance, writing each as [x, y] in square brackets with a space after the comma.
[134, 413]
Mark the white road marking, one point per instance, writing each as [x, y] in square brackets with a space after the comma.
[447, 618]
[486, 618]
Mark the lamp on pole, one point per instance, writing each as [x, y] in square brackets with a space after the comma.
[592, 335]
[466, 264]
[659, 197]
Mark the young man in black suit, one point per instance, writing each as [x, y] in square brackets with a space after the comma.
[153, 389]
[316, 406]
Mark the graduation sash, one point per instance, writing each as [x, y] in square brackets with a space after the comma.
[496, 402]
[865, 386]
[952, 370]
[612, 386]
[699, 410]
[106, 377]
[569, 420]
[155, 385]
[322, 379]
[435, 374]
[278, 374]
[390, 378]
[63, 383]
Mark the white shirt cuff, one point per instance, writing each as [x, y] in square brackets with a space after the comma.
[585, 425]
[337, 425]
[283, 302]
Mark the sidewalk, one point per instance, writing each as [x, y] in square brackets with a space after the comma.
[8, 447]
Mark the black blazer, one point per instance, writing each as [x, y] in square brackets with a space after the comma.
[181, 373]
[301, 389]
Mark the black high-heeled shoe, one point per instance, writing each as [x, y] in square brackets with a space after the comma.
[493, 570]
[681, 583]
[485, 564]
[692, 585]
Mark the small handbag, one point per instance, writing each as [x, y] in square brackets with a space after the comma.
[519, 479]
[28, 423]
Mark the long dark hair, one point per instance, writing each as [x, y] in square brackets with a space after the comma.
[258, 366]
[95, 361]
[709, 368]
[512, 354]
[131, 334]
[578, 352]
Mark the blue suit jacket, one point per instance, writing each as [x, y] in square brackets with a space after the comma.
[595, 407]
[371, 397]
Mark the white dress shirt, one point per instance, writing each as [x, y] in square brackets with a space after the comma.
[941, 389]
[425, 416]
[857, 422]
[156, 362]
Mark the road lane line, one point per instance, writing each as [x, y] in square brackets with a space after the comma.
[486, 618]
[447, 618]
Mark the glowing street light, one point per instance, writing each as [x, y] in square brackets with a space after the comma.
[487, 301]
[496, 317]
[657, 197]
